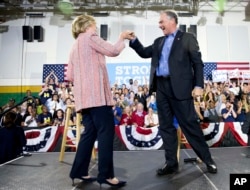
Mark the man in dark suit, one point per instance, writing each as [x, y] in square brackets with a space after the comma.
[177, 77]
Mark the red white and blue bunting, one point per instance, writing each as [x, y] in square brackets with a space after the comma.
[139, 138]
[134, 138]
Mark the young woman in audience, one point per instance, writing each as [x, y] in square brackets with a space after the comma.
[54, 103]
[126, 116]
[151, 103]
[151, 118]
[27, 113]
[31, 120]
[59, 118]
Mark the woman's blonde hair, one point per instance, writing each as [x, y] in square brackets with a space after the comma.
[81, 23]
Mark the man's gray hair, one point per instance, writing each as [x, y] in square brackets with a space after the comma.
[171, 14]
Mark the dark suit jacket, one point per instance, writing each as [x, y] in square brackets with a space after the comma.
[185, 63]
[246, 125]
[12, 141]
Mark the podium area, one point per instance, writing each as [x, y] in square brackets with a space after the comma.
[43, 171]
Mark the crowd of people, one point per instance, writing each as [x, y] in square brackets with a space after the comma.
[133, 105]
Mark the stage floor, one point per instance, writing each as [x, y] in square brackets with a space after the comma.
[43, 171]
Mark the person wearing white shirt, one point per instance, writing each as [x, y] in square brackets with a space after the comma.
[31, 120]
[151, 119]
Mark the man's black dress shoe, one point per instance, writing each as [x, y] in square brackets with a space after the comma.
[167, 169]
[211, 167]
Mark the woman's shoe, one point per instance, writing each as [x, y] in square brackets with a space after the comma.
[104, 181]
[85, 179]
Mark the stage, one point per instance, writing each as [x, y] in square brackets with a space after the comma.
[43, 171]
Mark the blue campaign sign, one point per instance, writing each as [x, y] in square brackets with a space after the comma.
[120, 73]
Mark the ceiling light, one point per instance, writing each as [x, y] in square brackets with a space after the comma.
[65, 6]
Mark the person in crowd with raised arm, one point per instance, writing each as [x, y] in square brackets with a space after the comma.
[52, 80]
[45, 93]
[87, 70]
[228, 113]
[151, 118]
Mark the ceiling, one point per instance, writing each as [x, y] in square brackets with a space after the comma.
[12, 9]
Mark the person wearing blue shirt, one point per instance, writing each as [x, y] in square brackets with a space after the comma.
[177, 77]
[228, 113]
[117, 112]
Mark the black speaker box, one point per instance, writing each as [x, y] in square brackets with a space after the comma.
[193, 29]
[27, 33]
[104, 31]
[38, 33]
[183, 27]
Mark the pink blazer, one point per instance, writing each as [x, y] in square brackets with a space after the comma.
[88, 72]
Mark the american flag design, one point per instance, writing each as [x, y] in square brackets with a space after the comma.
[209, 67]
[60, 71]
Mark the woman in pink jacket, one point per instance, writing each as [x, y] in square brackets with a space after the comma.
[87, 70]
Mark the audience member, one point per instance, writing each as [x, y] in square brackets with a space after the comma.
[117, 111]
[10, 104]
[228, 113]
[242, 109]
[138, 115]
[31, 120]
[146, 91]
[17, 111]
[234, 87]
[12, 138]
[62, 91]
[131, 98]
[58, 118]
[54, 103]
[210, 113]
[220, 104]
[151, 103]
[45, 118]
[38, 105]
[126, 93]
[126, 116]
[52, 81]
[70, 87]
[45, 94]
[27, 113]
[31, 101]
[123, 102]
[133, 85]
[23, 108]
[151, 118]
[141, 97]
